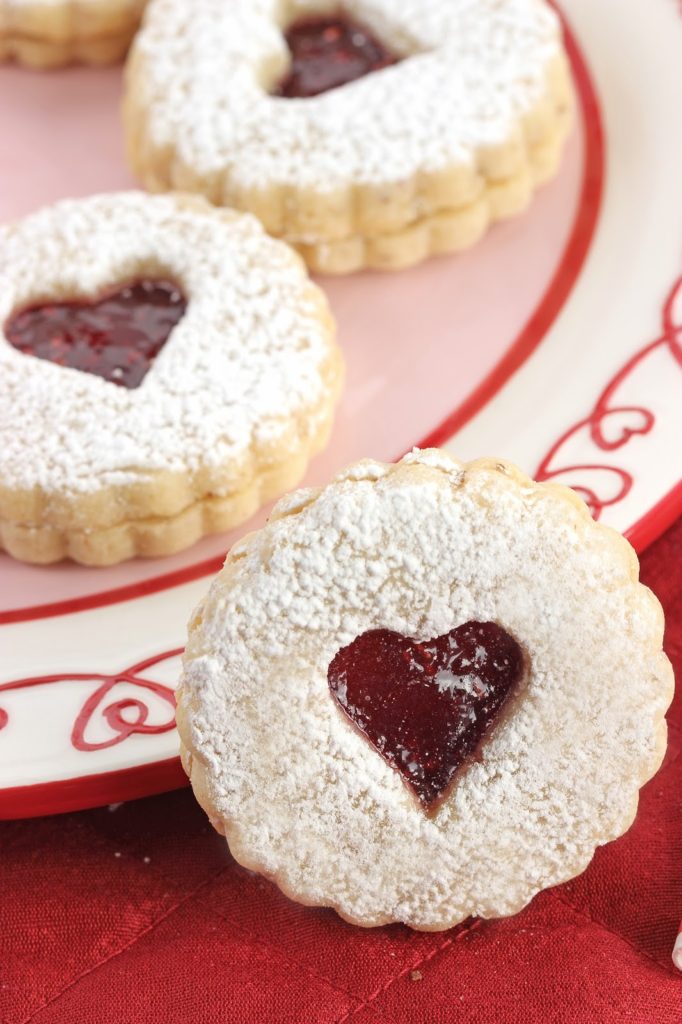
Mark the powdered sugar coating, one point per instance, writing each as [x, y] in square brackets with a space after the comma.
[472, 71]
[246, 360]
[421, 548]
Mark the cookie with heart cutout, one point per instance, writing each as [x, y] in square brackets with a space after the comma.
[165, 368]
[52, 33]
[375, 133]
[426, 691]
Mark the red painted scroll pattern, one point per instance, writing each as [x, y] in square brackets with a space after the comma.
[102, 722]
[610, 426]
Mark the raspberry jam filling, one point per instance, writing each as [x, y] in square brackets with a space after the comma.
[329, 51]
[116, 337]
[427, 707]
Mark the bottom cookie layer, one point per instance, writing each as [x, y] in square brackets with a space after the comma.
[156, 537]
[445, 232]
[45, 54]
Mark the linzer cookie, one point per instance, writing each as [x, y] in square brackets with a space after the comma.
[424, 692]
[165, 367]
[51, 33]
[370, 134]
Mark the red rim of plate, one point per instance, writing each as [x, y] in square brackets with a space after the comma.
[84, 791]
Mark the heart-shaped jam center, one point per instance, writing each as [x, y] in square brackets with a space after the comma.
[117, 337]
[426, 707]
[329, 51]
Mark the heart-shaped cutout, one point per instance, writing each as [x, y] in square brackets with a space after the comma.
[427, 707]
[116, 337]
[328, 51]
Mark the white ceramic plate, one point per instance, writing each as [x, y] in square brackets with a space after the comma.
[557, 343]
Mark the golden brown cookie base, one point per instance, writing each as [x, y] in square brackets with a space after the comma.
[44, 54]
[45, 36]
[445, 232]
[378, 218]
[157, 536]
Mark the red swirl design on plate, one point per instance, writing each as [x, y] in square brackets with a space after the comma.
[117, 714]
[610, 426]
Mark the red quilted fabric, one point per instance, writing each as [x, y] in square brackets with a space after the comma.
[139, 916]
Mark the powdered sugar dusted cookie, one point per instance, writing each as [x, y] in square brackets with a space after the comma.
[165, 367]
[426, 691]
[372, 134]
[51, 33]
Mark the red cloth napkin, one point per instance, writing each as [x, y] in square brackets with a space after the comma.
[138, 915]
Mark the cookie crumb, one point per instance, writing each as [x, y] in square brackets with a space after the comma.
[416, 975]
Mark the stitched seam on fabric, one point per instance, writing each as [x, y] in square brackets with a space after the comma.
[610, 931]
[427, 958]
[128, 945]
[272, 950]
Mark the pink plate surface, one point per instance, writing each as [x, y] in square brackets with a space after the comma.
[418, 356]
